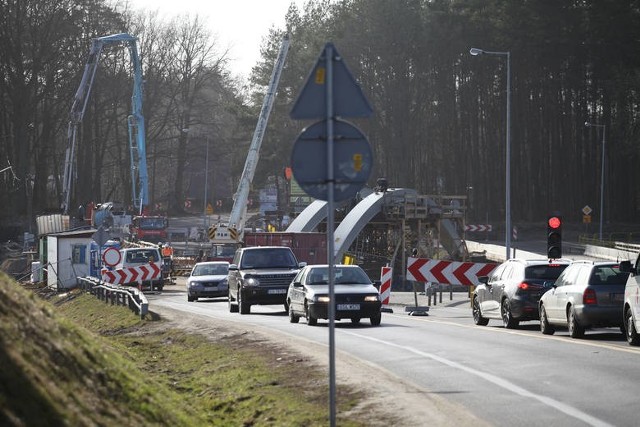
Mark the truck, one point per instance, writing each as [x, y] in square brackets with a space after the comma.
[231, 233]
[111, 216]
[149, 228]
[309, 247]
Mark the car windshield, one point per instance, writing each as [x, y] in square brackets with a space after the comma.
[342, 276]
[141, 256]
[608, 275]
[269, 258]
[210, 270]
[544, 272]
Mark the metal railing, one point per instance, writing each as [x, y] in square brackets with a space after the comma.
[629, 247]
[117, 295]
[609, 240]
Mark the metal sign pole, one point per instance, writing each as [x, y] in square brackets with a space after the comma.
[353, 151]
[330, 243]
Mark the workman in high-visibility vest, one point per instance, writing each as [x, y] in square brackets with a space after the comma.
[167, 258]
[167, 251]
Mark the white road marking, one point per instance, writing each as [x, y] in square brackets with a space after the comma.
[500, 382]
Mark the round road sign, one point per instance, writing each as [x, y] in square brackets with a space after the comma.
[111, 257]
[352, 160]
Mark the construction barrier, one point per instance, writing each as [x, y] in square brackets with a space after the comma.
[138, 274]
[386, 275]
[426, 270]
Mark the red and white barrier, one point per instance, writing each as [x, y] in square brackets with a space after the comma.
[447, 272]
[386, 274]
[138, 274]
[479, 227]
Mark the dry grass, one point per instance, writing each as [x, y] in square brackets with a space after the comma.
[72, 360]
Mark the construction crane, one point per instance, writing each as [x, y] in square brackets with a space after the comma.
[233, 231]
[137, 144]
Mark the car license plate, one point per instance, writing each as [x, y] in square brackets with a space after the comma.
[211, 288]
[277, 291]
[348, 307]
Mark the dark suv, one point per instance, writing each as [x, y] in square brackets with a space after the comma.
[512, 291]
[261, 275]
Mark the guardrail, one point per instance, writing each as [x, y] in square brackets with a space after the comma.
[117, 295]
[629, 247]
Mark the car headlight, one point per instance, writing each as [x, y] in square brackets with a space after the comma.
[371, 298]
[324, 299]
[251, 281]
[193, 284]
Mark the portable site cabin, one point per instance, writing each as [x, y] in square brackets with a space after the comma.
[68, 257]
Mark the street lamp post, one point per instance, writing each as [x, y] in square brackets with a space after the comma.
[206, 182]
[507, 234]
[604, 131]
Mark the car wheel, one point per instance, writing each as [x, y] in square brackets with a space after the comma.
[233, 308]
[293, 318]
[191, 299]
[355, 320]
[311, 321]
[286, 306]
[545, 327]
[575, 330]
[376, 319]
[632, 335]
[477, 315]
[243, 306]
[507, 318]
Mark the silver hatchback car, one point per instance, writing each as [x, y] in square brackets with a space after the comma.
[587, 295]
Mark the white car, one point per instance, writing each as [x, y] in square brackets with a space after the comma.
[355, 296]
[631, 310]
[208, 280]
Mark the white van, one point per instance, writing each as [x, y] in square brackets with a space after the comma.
[135, 257]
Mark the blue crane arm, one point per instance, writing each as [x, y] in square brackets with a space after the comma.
[137, 142]
[137, 132]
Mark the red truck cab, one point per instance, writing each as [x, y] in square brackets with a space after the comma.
[149, 228]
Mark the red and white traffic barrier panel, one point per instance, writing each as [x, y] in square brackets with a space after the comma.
[447, 272]
[138, 274]
[386, 274]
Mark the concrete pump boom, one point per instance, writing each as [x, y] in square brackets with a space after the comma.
[234, 230]
[137, 144]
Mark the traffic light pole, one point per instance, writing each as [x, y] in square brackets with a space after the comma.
[554, 236]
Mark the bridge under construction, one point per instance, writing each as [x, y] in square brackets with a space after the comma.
[384, 226]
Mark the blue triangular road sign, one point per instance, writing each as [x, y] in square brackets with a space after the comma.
[348, 99]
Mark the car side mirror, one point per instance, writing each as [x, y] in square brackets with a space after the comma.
[297, 284]
[483, 279]
[233, 267]
[302, 264]
[625, 267]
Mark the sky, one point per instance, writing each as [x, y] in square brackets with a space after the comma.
[239, 25]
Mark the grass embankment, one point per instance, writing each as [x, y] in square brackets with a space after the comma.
[73, 360]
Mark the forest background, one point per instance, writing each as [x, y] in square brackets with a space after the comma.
[439, 122]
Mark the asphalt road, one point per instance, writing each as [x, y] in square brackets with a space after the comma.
[504, 377]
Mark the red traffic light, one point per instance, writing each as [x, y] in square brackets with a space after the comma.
[554, 222]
